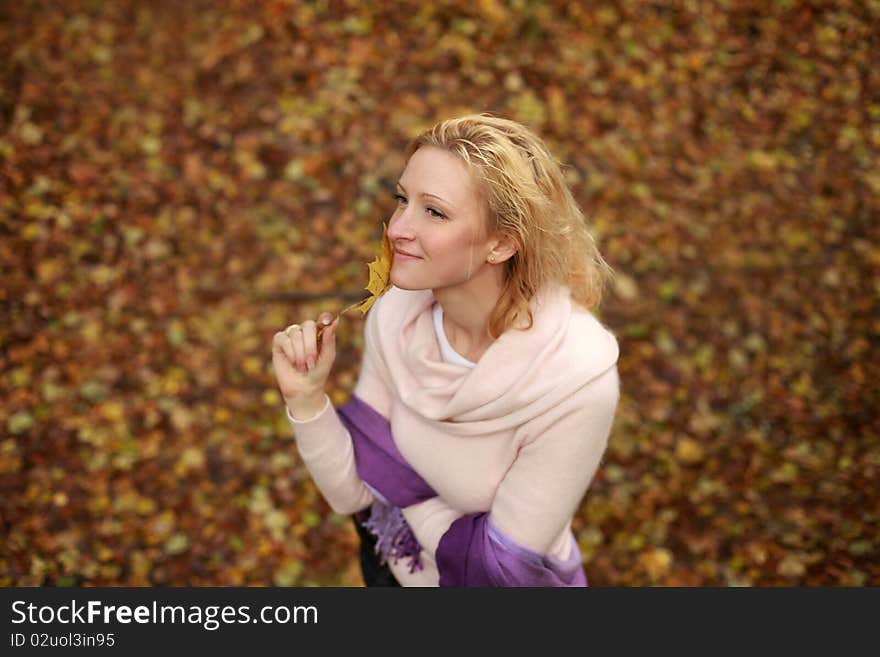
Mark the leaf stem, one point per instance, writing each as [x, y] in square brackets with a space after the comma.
[339, 314]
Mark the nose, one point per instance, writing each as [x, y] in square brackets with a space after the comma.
[400, 227]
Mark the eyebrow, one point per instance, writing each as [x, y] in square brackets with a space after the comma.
[442, 200]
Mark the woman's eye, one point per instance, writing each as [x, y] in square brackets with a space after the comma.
[401, 200]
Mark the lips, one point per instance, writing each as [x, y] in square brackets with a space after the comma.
[404, 253]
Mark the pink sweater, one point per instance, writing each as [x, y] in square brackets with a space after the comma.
[519, 435]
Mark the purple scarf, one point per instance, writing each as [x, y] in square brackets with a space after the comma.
[472, 552]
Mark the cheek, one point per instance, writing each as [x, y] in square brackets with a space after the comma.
[449, 247]
[445, 256]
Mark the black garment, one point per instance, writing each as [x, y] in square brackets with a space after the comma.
[375, 573]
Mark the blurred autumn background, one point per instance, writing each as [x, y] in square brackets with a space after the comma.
[180, 180]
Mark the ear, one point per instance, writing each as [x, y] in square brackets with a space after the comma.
[501, 248]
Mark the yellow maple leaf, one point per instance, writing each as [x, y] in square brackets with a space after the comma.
[380, 279]
[380, 274]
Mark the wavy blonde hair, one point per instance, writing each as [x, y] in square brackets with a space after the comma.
[529, 202]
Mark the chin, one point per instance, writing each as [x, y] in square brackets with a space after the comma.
[396, 282]
[404, 284]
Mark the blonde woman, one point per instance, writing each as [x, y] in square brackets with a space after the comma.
[488, 388]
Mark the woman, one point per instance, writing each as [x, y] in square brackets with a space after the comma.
[487, 390]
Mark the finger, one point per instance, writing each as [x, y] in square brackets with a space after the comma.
[294, 334]
[310, 342]
[282, 344]
[323, 322]
[328, 345]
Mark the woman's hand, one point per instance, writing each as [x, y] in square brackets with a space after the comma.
[302, 363]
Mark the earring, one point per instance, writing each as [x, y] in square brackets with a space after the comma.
[491, 258]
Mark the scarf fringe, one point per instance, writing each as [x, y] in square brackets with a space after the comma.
[394, 538]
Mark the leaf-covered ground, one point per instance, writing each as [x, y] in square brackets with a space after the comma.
[179, 180]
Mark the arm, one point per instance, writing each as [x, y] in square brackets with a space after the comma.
[550, 476]
[533, 503]
[325, 444]
[429, 520]
[325, 447]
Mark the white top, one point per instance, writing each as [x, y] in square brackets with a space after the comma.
[449, 354]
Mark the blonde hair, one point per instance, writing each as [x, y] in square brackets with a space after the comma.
[529, 202]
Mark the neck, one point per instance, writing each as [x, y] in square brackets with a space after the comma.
[466, 310]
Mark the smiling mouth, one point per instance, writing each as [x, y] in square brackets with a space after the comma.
[403, 253]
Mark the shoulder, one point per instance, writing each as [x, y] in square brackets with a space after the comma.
[584, 404]
[589, 340]
[595, 347]
[592, 351]
[578, 344]
[566, 364]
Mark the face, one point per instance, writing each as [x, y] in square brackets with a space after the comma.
[440, 221]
